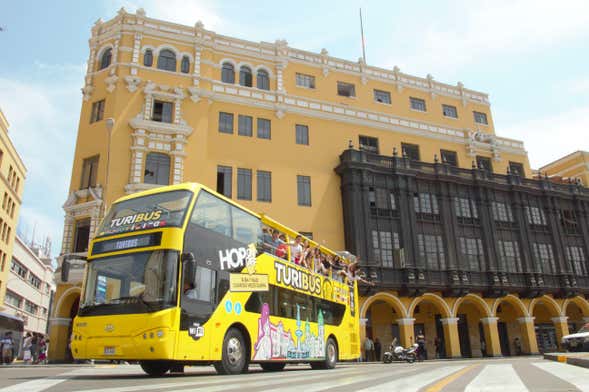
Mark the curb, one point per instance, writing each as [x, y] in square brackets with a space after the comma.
[569, 358]
[56, 365]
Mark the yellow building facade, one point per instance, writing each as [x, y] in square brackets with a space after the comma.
[265, 124]
[572, 167]
[12, 175]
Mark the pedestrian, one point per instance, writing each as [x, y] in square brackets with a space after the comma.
[420, 340]
[437, 347]
[26, 346]
[377, 349]
[368, 349]
[518, 346]
[483, 348]
[42, 350]
[7, 348]
[34, 348]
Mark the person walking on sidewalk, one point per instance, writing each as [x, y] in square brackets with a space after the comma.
[420, 340]
[42, 350]
[377, 349]
[7, 348]
[27, 345]
[368, 349]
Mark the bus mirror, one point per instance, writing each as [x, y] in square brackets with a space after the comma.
[189, 263]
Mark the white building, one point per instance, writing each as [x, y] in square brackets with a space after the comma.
[30, 286]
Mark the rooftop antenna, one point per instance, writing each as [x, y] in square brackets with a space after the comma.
[362, 34]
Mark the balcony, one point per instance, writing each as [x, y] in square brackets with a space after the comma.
[413, 281]
[403, 164]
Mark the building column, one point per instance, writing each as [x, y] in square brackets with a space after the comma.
[529, 344]
[562, 329]
[451, 339]
[59, 338]
[363, 322]
[493, 346]
[406, 331]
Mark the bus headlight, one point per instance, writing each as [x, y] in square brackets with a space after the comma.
[160, 333]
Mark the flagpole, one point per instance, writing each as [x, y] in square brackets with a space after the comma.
[362, 34]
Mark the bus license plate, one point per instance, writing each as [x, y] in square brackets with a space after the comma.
[109, 351]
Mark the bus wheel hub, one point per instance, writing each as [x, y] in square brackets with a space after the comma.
[234, 350]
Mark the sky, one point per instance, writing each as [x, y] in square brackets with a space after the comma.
[530, 56]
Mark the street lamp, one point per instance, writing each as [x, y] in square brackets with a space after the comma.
[110, 123]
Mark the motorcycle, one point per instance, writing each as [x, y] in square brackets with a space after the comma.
[398, 353]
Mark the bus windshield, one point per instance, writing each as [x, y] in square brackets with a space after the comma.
[131, 283]
[166, 209]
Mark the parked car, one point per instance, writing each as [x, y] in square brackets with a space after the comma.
[577, 341]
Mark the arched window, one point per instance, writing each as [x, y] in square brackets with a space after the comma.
[148, 58]
[166, 60]
[245, 76]
[228, 73]
[185, 65]
[105, 59]
[157, 169]
[263, 81]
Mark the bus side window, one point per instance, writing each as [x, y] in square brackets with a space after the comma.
[202, 286]
[285, 304]
[247, 229]
[212, 213]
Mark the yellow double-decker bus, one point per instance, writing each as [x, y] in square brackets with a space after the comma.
[181, 275]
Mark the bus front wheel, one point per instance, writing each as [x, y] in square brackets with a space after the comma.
[234, 359]
[155, 368]
[330, 356]
[273, 366]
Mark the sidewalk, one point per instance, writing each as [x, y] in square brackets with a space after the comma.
[21, 364]
[577, 359]
[454, 359]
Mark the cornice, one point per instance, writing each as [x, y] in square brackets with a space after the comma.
[161, 127]
[132, 188]
[564, 159]
[87, 206]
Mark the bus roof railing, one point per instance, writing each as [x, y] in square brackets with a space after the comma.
[347, 257]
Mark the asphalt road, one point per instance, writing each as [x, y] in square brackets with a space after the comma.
[504, 375]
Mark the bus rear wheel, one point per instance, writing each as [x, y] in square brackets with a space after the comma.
[234, 358]
[155, 368]
[273, 366]
[330, 356]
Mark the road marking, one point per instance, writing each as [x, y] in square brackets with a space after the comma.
[497, 378]
[415, 382]
[39, 384]
[437, 387]
[575, 375]
[211, 381]
[340, 381]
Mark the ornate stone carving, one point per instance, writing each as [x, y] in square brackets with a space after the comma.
[194, 94]
[132, 83]
[111, 83]
[87, 91]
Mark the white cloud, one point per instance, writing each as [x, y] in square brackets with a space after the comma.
[472, 32]
[577, 86]
[551, 137]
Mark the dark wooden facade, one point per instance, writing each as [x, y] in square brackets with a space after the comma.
[421, 227]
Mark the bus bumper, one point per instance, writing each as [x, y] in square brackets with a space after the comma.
[155, 343]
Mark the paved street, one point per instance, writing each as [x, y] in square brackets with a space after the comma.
[505, 375]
